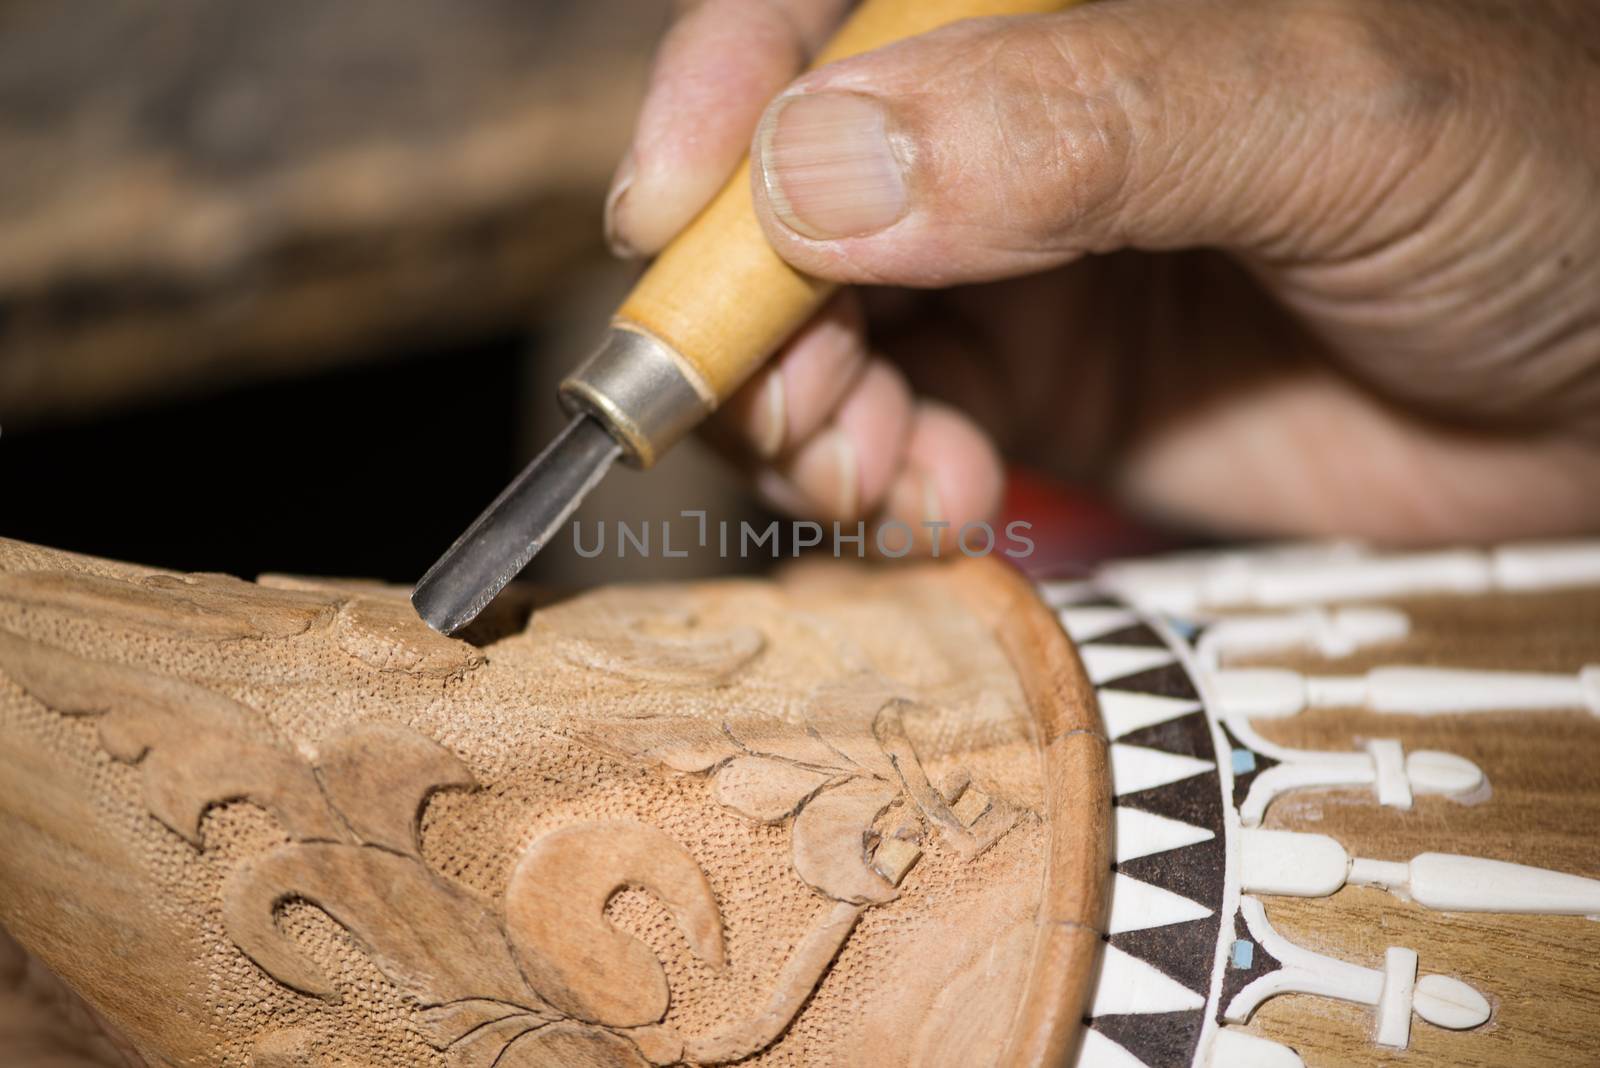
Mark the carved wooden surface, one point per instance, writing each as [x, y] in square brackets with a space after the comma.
[844, 818]
[202, 190]
[1541, 973]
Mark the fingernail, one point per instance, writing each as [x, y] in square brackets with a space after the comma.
[770, 419]
[620, 184]
[914, 500]
[828, 165]
[827, 472]
[781, 494]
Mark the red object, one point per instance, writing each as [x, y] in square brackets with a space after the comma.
[1073, 527]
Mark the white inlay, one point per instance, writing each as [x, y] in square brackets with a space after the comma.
[1473, 884]
[1135, 768]
[1312, 574]
[1450, 1003]
[1389, 773]
[1091, 621]
[1266, 693]
[1440, 1000]
[1332, 634]
[1125, 712]
[1290, 862]
[1184, 583]
[1364, 578]
[1137, 906]
[1445, 774]
[1394, 1003]
[1059, 594]
[1548, 565]
[1107, 662]
[1098, 1051]
[1315, 865]
[1241, 1049]
[1140, 834]
[1128, 984]
[1301, 575]
[1427, 772]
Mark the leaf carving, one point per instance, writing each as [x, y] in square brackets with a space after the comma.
[570, 952]
[765, 790]
[644, 638]
[992, 820]
[570, 1045]
[485, 1046]
[378, 776]
[195, 748]
[452, 1026]
[796, 980]
[432, 939]
[831, 839]
[386, 635]
[202, 607]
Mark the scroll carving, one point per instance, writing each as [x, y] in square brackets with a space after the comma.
[194, 747]
[555, 910]
[666, 646]
[540, 977]
[195, 607]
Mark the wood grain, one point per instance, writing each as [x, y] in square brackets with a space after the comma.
[1072, 916]
[251, 825]
[1541, 974]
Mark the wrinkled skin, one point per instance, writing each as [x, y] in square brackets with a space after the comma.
[1264, 266]
[1272, 266]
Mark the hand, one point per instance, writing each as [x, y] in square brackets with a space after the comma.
[1277, 266]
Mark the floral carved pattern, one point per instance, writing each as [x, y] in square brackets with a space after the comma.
[540, 977]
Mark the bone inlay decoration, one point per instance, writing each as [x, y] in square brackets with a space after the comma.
[1315, 865]
[1311, 574]
[1396, 992]
[1270, 693]
[1187, 600]
[816, 819]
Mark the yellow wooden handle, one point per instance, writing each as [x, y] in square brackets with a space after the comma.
[719, 295]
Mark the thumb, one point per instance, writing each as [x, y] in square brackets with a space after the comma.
[1002, 146]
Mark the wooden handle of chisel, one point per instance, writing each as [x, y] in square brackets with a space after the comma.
[719, 295]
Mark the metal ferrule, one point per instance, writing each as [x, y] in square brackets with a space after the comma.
[642, 390]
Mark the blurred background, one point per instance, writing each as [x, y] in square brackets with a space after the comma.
[288, 286]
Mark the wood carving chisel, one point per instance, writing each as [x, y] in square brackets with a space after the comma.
[709, 311]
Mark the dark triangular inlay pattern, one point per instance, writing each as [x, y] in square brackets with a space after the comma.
[1169, 680]
[1188, 735]
[1159, 1039]
[1243, 779]
[1093, 601]
[1195, 871]
[1196, 800]
[1236, 979]
[1182, 951]
[1133, 634]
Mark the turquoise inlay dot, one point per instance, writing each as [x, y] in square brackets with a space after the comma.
[1186, 628]
[1244, 761]
[1244, 954]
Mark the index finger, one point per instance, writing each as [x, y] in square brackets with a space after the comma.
[717, 68]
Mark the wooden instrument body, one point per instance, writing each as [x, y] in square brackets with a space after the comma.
[793, 822]
[841, 816]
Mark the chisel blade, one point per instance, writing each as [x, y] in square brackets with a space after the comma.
[519, 523]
